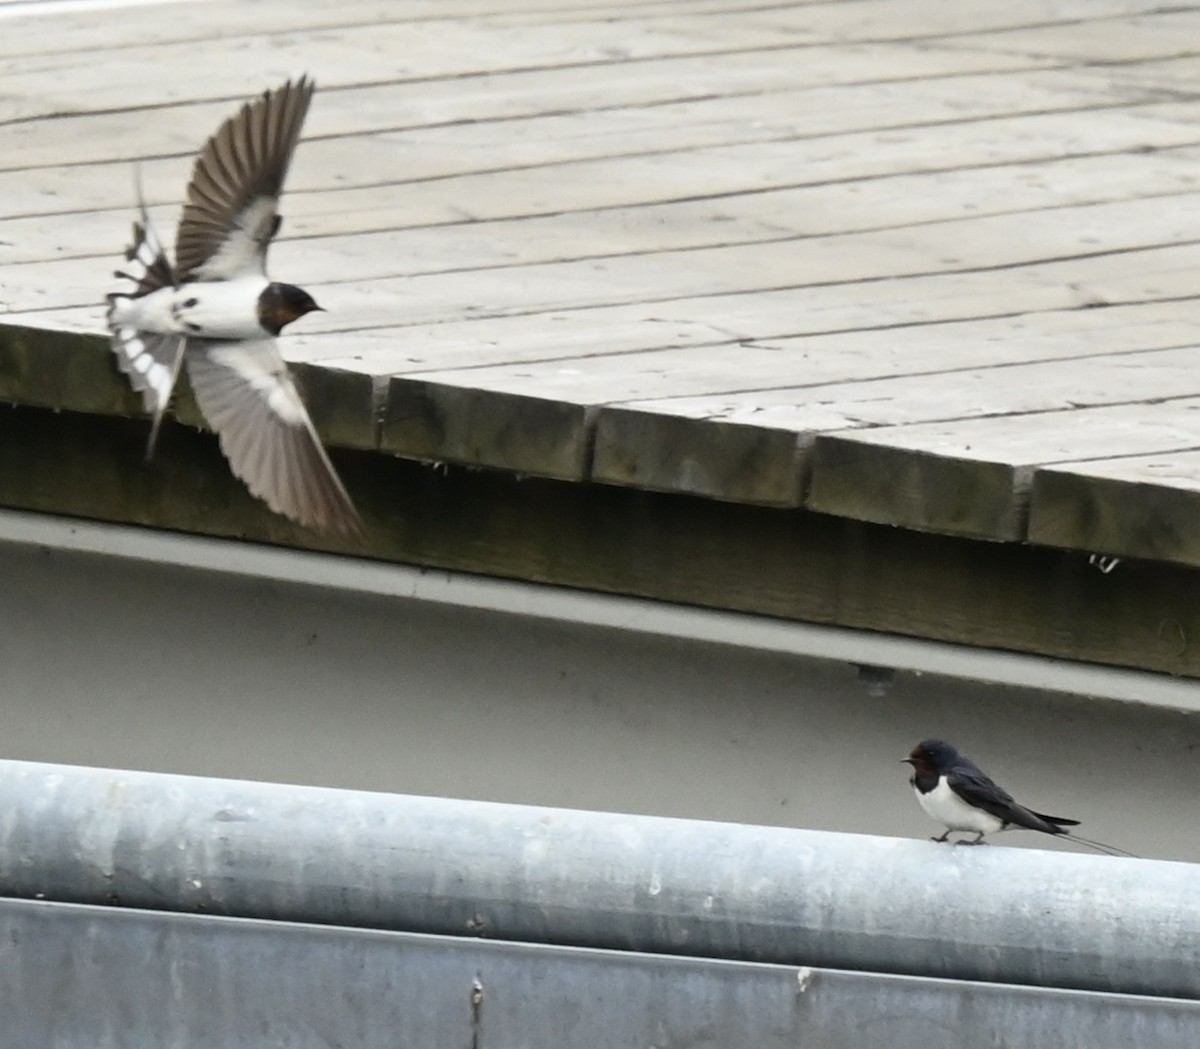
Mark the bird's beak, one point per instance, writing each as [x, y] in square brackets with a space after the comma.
[908, 761]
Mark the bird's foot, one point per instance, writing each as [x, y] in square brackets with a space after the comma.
[942, 839]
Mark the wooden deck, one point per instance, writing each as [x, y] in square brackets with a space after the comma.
[897, 261]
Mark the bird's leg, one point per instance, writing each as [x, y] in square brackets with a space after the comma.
[944, 836]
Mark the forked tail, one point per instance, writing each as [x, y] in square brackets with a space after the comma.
[150, 358]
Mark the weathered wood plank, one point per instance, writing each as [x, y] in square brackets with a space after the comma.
[60, 369]
[866, 20]
[649, 170]
[523, 311]
[694, 381]
[975, 244]
[875, 18]
[662, 97]
[1104, 39]
[996, 390]
[430, 49]
[762, 465]
[1143, 506]
[347, 107]
[888, 203]
[734, 305]
[653, 447]
[750, 303]
[1046, 234]
[431, 227]
[972, 477]
[530, 435]
[193, 23]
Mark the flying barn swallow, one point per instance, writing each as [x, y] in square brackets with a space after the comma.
[960, 795]
[216, 309]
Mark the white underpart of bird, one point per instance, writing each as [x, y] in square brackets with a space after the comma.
[224, 309]
[943, 805]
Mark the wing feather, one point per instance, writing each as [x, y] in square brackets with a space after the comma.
[231, 211]
[151, 360]
[249, 398]
[978, 789]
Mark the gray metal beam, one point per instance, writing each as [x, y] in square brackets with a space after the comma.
[76, 977]
[635, 615]
[596, 879]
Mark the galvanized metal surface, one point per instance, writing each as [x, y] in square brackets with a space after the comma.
[75, 977]
[596, 879]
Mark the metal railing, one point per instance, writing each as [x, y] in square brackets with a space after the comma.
[570, 878]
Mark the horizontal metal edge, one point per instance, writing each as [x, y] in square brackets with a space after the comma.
[101, 977]
[626, 614]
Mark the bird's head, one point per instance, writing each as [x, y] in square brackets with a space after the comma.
[280, 304]
[931, 757]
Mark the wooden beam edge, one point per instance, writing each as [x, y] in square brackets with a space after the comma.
[841, 474]
[733, 462]
[908, 488]
[76, 371]
[1115, 516]
[792, 564]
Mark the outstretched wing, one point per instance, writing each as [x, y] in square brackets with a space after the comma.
[248, 397]
[230, 215]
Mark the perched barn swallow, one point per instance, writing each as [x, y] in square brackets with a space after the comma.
[217, 309]
[957, 793]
